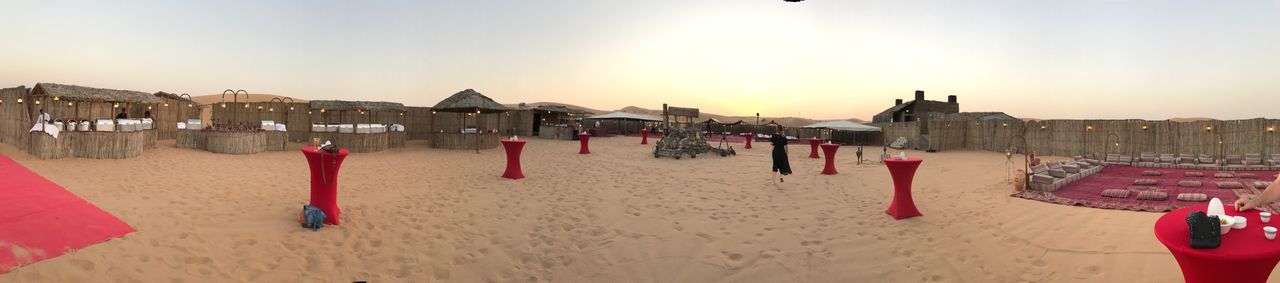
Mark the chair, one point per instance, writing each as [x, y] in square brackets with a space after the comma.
[1206, 162]
[1118, 159]
[1042, 181]
[1253, 161]
[1234, 162]
[1166, 160]
[1185, 161]
[1147, 159]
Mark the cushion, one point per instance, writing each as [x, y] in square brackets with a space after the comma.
[1247, 176]
[1115, 193]
[1167, 158]
[1084, 165]
[1041, 168]
[1224, 175]
[1142, 188]
[1071, 168]
[1153, 195]
[1193, 197]
[1042, 179]
[1260, 185]
[1058, 173]
[1190, 184]
[1152, 173]
[1146, 182]
[1230, 185]
[1193, 174]
[1206, 160]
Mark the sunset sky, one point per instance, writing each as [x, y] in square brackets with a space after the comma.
[821, 59]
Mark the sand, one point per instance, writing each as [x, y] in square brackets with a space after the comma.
[617, 215]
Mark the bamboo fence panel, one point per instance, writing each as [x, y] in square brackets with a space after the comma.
[464, 141]
[15, 118]
[395, 139]
[236, 142]
[1127, 137]
[194, 139]
[97, 145]
[361, 143]
[275, 141]
[149, 137]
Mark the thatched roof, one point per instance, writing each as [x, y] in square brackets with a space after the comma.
[89, 94]
[339, 105]
[468, 100]
[173, 96]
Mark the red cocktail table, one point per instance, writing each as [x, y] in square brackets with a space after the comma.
[513, 148]
[583, 138]
[813, 147]
[903, 171]
[1245, 255]
[324, 181]
[829, 150]
[749, 138]
[644, 136]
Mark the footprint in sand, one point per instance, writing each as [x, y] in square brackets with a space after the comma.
[82, 264]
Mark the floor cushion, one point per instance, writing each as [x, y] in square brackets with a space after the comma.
[1260, 185]
[1146, 182]
[1190, 184]
[1193, 174]
[1247, 176]
[1193, 197]
[1116, 193]
[1230, 185]
[1152, 173]
[1224, 175]
[1153, 195]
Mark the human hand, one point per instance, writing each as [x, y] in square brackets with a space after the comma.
[1244, 204]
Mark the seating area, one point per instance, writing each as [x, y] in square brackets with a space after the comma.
[1053, 175]
[1232, 162]
[1144, 189]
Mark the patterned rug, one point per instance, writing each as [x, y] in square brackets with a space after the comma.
[1088, 191]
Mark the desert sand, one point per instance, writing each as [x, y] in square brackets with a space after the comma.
[617, 215]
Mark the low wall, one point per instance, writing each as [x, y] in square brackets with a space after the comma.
[464, 141]
[98, 145]
[396, 139]
[236, 142]
[551, 132]
[194, 139]
[357, 143]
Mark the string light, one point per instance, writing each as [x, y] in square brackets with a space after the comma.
[190, 105]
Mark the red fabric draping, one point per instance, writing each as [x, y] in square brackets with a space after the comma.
[903, 171]
[324, 181]
[1244, 255]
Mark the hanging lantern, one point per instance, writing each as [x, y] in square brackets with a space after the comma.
[19, 101]
[37, 102]
[148, 107]
[271, 109]
[1208, 128]
[224, 105]
[68, 103]
[290, 107]
[321, 110]
[55, 98]
[166, 105]
[1271, 129]
[117, 105]
[190, 105]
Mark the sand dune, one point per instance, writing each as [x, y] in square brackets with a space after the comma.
[617, 215]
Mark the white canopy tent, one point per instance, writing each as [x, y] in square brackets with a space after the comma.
[844, 126]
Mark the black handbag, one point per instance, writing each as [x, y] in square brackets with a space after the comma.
[1205, 230]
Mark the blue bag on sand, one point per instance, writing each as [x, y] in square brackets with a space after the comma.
[314, 218]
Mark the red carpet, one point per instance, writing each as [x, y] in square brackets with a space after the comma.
[40, 220]
[1088, 191]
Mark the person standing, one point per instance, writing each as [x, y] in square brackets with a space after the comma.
[780, 162]
[122, 115]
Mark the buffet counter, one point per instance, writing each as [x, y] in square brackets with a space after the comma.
[98, 145]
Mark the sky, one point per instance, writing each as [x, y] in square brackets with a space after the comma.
[824, 59]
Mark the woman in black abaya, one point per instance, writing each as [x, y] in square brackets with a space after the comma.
[780, 163]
